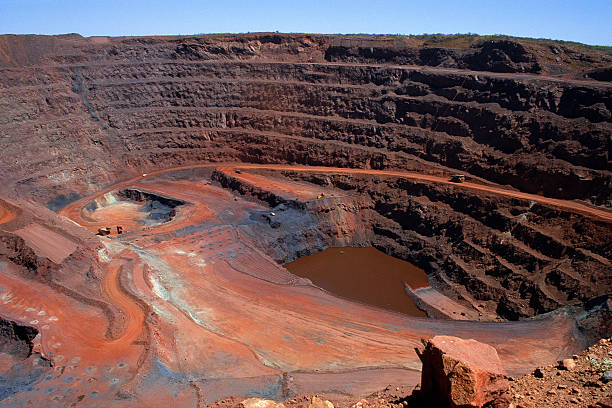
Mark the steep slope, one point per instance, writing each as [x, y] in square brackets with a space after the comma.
[100, 104]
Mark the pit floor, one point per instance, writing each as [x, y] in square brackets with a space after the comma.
[363, 274]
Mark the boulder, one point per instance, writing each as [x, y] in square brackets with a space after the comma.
[363, 403]
[260, 403]
[460, 373]
[567, 364]
[317, 402]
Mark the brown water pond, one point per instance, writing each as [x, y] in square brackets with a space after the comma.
[364, 274]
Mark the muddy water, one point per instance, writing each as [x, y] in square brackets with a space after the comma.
[364, 274]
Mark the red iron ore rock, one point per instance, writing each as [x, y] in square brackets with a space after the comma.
[462, 373]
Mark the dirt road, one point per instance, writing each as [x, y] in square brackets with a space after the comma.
[133, 312]
[572, 206]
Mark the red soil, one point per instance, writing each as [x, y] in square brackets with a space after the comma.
[213, 287]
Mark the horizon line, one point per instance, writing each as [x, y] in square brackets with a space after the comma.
[306, 33]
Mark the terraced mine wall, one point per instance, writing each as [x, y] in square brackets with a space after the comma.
[98, 110]
[302, 228]
[504, 256]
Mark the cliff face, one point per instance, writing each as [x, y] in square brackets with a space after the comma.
[90, 109]
[77, 114]
[504, 257]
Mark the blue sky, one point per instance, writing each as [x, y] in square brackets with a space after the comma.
[588, 21]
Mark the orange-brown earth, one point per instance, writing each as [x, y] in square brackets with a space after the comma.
[351, 143]
[197, 299]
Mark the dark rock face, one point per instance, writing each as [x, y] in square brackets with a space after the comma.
[596, 322]
[95, 111]
[14, 249]
[16, 339]
[500, 255]
[159, 208]
[503, 56]
[494, 56]
[600, 74]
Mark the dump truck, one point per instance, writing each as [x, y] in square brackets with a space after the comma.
[104, 231]
[457, 178]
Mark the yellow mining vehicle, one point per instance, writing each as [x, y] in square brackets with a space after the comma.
[457, 178]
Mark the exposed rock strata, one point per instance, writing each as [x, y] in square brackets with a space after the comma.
[16, 339]
[165, 309]
[505, 256]
[95, 107]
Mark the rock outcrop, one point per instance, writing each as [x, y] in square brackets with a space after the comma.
[491, 55]
[460, 373]
[259, 403]
[16, 339]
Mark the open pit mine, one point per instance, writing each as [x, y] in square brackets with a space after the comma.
[160, 198]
